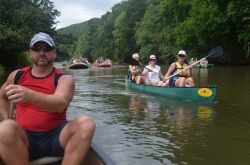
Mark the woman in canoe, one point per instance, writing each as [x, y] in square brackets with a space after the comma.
[136, 70]
[183, 78]
[153, 73]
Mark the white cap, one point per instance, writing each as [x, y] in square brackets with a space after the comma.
[152, 57]
[135, 56]
[182, 52]
[42, 37]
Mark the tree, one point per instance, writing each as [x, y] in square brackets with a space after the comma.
[19, 20]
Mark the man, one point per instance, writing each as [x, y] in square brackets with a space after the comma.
[42, 94]
[136, 70]
[183, 78]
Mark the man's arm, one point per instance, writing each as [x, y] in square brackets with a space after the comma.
[54, 103]
[4, 101]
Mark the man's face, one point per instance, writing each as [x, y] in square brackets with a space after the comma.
[42, 54]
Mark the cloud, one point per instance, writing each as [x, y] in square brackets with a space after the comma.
[76, 11]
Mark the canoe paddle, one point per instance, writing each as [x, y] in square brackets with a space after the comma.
[212, 54]
[11, 110]
[131, 61]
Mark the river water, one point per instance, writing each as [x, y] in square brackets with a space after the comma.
[136, 128]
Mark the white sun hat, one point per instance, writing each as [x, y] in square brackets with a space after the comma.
[152, 57]
[182, 52]
[135, 56]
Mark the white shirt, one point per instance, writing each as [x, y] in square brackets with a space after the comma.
[153, 76]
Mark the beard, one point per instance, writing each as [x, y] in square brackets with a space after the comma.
[43, 61]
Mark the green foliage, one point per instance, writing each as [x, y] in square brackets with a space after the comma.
[1, 70]
[125, 27]
[19, 21]
[147, 31]
[239, 15]
[162, 27]
[204, 28]
[120, 37]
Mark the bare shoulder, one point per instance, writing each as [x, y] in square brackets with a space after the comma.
[172, 66]
[65, 87]
[10, 80]
[11, 77]
[66, 79]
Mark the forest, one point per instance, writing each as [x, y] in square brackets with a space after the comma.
[160, 27]
[19, 21]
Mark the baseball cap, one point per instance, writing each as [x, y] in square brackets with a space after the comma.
[182, 52]
[42, 37]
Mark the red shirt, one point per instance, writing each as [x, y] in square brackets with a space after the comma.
[33, 118]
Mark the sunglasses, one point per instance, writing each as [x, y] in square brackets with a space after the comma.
[45, 48]
[180, 55]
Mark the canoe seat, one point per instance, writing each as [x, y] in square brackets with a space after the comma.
[46, 160]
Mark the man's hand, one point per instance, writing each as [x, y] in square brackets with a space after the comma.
[18, 93]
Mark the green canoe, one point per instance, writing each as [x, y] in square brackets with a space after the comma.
[200, 94]
[95, 156]
[203, 67]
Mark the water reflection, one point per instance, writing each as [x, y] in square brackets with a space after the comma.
[169, 124]
[136, 106]
[205, 114]
[200, 76]
[136, 128]
[203, 76]
[100, 71]
[180, 113]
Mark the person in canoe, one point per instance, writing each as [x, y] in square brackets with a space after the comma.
[183, 78]
[136, 71]
[153, 73]
[204, 63]
[41, 94]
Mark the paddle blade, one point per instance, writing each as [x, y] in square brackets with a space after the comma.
[215, 52]
[129, 60]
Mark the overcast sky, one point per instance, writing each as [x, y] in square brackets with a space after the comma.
[76, 11]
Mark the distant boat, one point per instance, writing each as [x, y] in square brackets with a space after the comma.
[204, 67]
[102, 64]
[78, 66]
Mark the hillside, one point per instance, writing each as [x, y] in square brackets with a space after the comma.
[162, 27]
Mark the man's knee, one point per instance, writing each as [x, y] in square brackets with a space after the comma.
[85, 125]
[8, 131]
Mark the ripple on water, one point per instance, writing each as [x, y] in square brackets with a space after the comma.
[135, 128]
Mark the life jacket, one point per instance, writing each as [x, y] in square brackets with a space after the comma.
[131, 76]
[134, 75]
[29, 116]
[179, 67]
